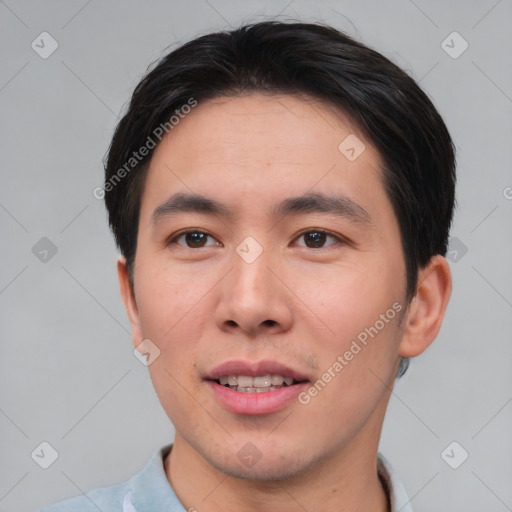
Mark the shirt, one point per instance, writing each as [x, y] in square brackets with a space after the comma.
[150, 491]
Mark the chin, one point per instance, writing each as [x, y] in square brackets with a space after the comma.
[274, 468]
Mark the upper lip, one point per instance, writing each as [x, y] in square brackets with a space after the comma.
[254, 369]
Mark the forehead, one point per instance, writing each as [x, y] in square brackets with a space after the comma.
[263, 146]
[283, 122]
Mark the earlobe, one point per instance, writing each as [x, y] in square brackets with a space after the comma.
[128, 296]
[427, 309]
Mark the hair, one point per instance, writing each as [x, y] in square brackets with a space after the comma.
[309, 60]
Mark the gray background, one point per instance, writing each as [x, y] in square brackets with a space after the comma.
[68, 374]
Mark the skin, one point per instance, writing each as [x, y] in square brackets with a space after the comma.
[203, 305]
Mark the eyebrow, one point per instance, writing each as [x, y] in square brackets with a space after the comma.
[341, 206]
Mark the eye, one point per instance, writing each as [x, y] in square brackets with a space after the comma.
[315, 239]
[193, 239]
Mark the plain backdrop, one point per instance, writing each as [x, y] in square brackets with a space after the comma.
[67, 370]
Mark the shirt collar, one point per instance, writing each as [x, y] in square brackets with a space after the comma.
[150, 490]
[400, 502]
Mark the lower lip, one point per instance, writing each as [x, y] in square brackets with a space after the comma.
[265, 402]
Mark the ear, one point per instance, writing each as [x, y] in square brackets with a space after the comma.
[427, 309]
[130, 304]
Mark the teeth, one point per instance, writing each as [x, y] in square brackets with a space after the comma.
[255, 390]
[248, 384]
[262, 382]
[232, 380]
[277, 380]
[244, 381]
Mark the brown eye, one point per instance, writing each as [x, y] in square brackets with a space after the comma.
[193, 239]
[316, 239]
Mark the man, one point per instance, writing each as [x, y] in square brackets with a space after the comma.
[281, 196]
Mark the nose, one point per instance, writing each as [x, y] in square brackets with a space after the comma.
[253, 300]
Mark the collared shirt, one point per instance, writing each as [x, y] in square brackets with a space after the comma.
[150, 491]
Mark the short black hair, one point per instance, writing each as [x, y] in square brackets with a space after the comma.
[306, 59]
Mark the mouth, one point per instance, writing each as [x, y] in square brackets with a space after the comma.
[251, 376]
[258, 384]
[263, 387]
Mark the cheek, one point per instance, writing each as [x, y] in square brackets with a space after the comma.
[358, 333]
[171, 304]
[349, 299]
[356, 362]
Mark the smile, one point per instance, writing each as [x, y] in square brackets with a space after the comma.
[259, 384]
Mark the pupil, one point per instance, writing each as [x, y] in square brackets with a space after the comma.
[317, 238]
[195, 238]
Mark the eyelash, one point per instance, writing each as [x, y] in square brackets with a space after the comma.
[339, 239]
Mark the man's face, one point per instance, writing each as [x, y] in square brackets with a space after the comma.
[257, 285]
